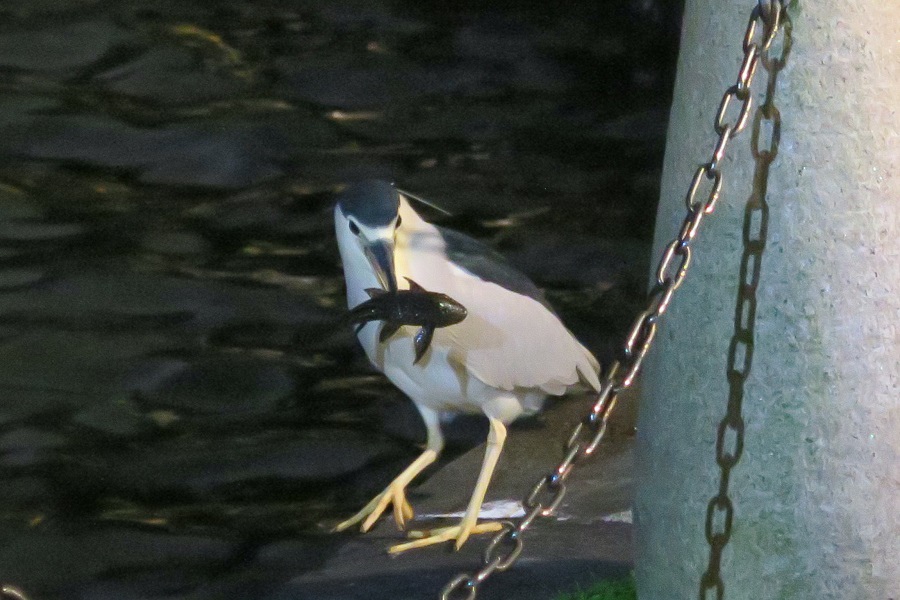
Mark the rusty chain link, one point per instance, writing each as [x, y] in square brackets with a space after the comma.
[548, 493]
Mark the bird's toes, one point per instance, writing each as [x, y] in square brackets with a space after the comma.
[403, 512]
[408, 510]
[461, 538]
[344, 525]
[370, 520]
[468, 529]
[399, 516]
[423, 539]
[456, 533]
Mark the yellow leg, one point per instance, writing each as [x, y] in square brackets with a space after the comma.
[468, 525]
[395, 493]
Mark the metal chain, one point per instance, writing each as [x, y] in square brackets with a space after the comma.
[546, 496]
[9, 592]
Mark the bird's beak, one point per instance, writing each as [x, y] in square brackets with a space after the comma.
[380, 253]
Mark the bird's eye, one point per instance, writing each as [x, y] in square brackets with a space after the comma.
[354, 228]
[399, 220]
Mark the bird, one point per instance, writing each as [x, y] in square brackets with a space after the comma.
[502, 360]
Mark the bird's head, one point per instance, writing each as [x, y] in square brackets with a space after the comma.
[366, 219]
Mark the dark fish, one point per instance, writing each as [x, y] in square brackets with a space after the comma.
[415, 306]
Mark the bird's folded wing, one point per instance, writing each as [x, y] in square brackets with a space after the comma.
[512, 341]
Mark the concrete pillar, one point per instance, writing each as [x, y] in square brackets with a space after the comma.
[815, 490]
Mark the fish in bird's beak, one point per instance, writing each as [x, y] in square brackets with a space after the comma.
[415, 306]
[381, 256]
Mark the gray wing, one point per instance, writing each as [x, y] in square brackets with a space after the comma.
[509, 342]
[492, 343]
[510, 339]
[487, 264]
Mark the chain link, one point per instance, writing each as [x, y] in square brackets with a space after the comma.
[548, 493]
[9, 592]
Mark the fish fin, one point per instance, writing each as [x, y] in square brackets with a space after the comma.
[422, 341]
[413, 286]
[387, 330]
[375, 292]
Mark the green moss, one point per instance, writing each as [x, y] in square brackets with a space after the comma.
[615, 589]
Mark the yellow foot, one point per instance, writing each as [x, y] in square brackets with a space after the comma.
[429, 537]
[394, 494]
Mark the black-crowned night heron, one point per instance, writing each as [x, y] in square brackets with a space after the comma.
[509, 353]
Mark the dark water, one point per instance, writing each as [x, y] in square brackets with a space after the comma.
[176, 396]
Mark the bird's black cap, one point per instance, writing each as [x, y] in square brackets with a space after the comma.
[372, 202]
